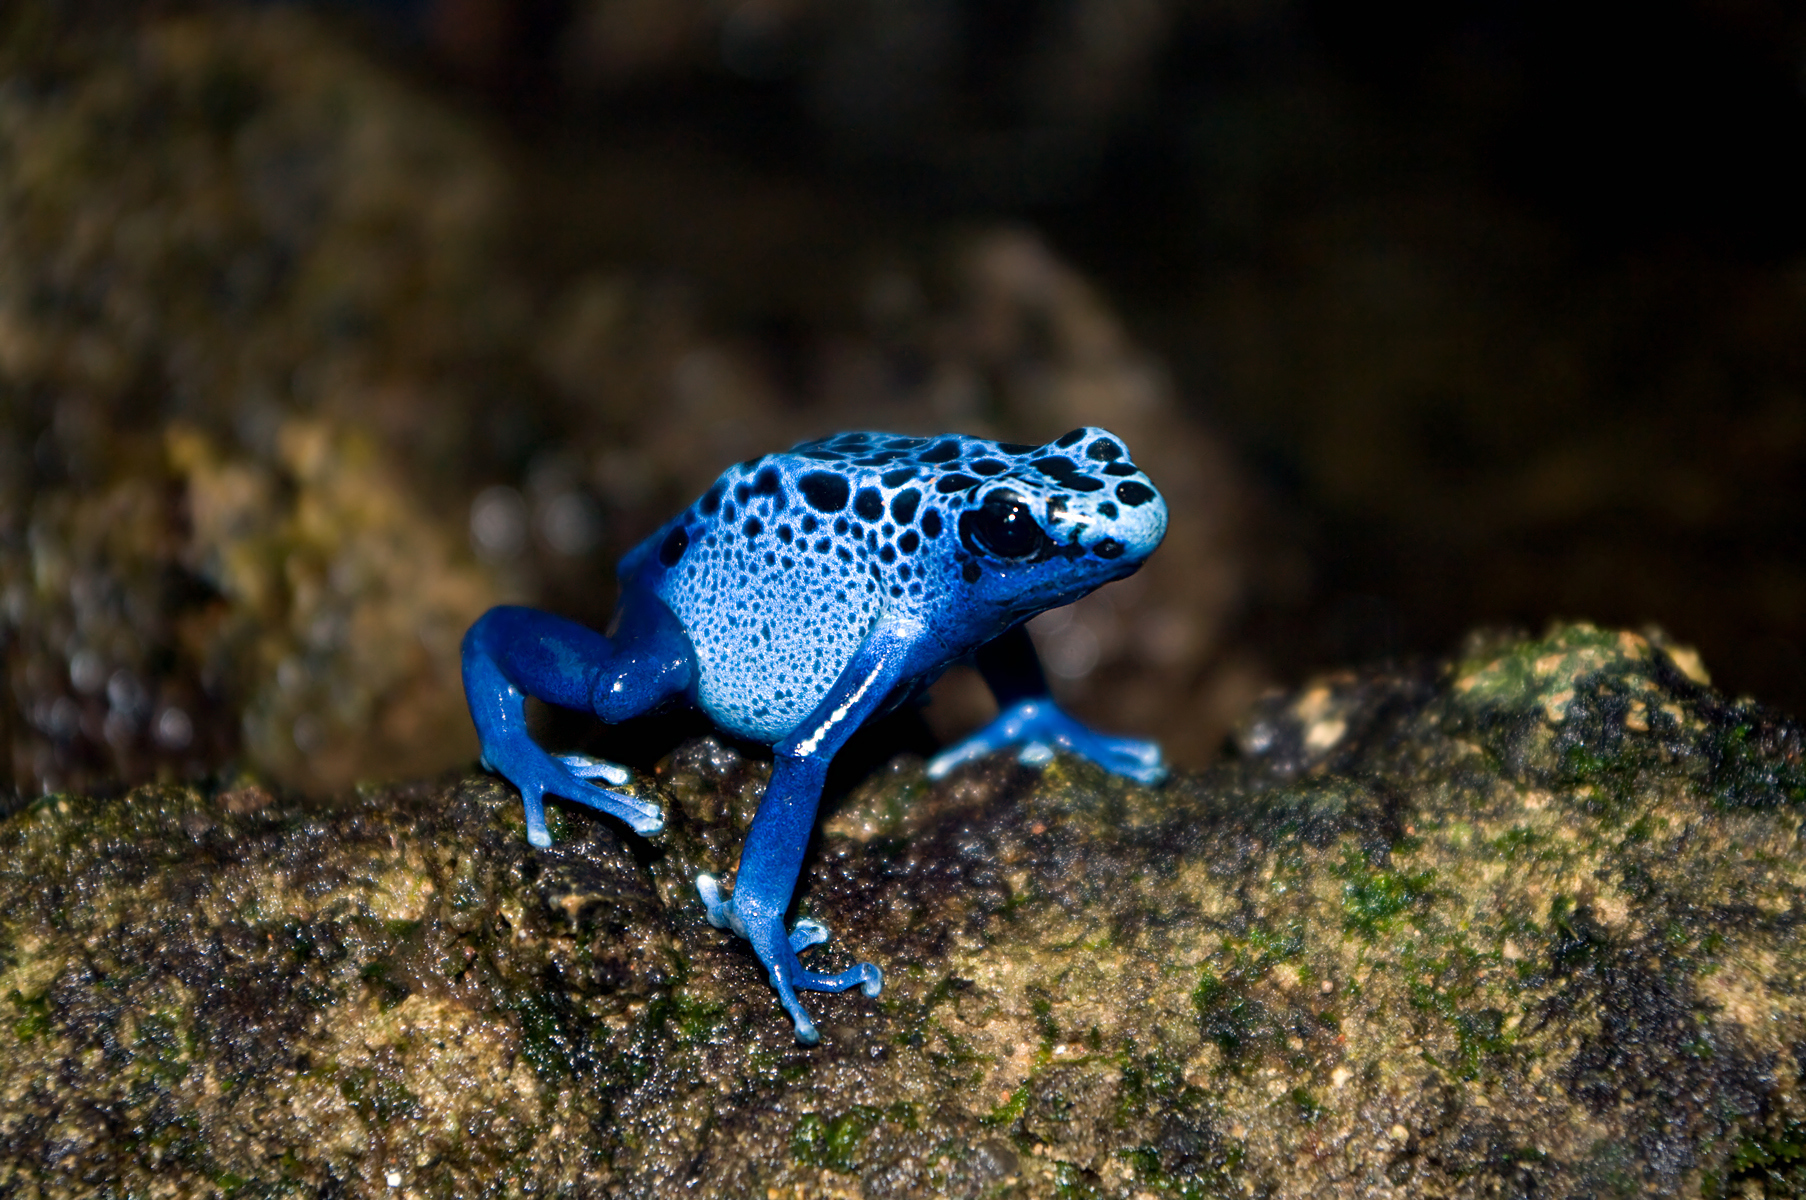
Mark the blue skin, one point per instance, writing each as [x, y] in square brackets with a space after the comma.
[805, 593]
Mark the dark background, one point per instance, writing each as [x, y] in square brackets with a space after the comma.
[1503, 306]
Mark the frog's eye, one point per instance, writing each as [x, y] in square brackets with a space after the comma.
[1003, 528]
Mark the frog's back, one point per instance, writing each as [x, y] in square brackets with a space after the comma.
[780, 571]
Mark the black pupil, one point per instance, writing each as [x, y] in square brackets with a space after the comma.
[1006, 529]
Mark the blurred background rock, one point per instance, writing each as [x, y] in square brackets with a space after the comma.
[322, 327]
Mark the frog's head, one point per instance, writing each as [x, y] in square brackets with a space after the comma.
[989, 532]
[1064, 519]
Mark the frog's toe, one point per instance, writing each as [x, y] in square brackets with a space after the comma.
[585, 767]
[1026, 720]
[805, 1028]
[865, 976]
[805, 933]
[1132, 758]
[777, 951]
[537, 775]
[642, 816]
[708, 889]
[984, 743]
[532, 801]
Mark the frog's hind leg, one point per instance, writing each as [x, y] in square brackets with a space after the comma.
[498, 708]
[512, 653]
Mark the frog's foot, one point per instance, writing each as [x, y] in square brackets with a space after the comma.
[537, 773]
[865, 976]
[805, 933]
[778, 952]
[1041, 728]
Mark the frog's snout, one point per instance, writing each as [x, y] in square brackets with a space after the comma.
[1137, 524]
[1106, 505]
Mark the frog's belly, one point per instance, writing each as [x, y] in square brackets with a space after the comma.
[770, 642]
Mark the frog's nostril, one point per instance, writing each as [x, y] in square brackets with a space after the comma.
[1108, 548]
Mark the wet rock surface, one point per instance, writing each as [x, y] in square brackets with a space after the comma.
[1522, 923]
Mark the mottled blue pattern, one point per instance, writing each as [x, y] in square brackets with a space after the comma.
[807, 591]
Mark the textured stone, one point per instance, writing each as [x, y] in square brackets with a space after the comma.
[1520, 924]
[248, 298]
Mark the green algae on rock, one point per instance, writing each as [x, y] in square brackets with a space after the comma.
[1521, 924]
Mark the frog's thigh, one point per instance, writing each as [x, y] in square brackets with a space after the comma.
[651, 659]
[564, 663]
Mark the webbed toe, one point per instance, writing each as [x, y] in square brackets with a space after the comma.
[714, 904]
[585, 767]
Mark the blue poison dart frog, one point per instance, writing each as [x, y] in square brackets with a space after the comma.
[806, 592]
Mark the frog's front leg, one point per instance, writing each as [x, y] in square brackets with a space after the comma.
[769, 865]
[1029, 718]
[772, 858]
[512, 653]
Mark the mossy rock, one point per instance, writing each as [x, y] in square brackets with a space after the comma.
[1521, 924]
